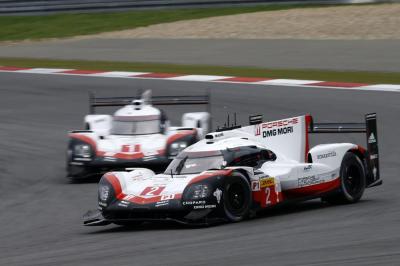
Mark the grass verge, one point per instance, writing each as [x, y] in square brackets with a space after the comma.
[308, 74]
[13, 28]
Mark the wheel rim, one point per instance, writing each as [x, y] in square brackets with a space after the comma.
[235, 198]
[352, 180]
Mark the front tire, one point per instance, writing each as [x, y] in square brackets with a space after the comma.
[352, 181]
[236, 197]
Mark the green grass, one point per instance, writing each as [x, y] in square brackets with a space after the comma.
[325, 75]
[14, 28]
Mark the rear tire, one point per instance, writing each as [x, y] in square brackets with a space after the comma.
[236, 197]
[352, 181]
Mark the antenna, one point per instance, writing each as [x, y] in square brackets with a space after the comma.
[228, 125]
[91, 103]
[139, 93]
[172, 176]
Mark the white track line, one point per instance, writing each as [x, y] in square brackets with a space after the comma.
[207, 78]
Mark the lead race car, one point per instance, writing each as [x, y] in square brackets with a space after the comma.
[237, 171]
[137, 134]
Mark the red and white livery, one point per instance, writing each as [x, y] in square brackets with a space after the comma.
[137, 134]
[237, 171]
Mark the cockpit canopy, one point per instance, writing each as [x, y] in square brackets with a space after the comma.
[136, 125]
[199, 161]
[138, 118]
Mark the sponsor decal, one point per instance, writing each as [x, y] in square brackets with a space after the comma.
[193, 202]
[276, 132]
[123, 204]
[307, 168]
[255, 185]
[167, 197]
[326, 155]
[281, 123]
[109, 159]
[372, 138]
[162, 203]
[211, 206]
[276, 128]
[267, 182]
[373, 156]
[257, 130]
[309, 180]
[218, 194]
[218, 135]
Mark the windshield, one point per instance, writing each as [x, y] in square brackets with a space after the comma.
[135, 127]
[182, 166]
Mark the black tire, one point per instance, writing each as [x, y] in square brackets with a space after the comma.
[236, 197]
[352, 181]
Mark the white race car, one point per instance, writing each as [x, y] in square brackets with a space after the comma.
[137, 134]
[237, 171]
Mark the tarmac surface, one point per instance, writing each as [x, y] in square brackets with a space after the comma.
[41, 212]
[363, 55]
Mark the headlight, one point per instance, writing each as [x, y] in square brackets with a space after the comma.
[177, 147]
[104, 192]
[200, 191]
[82, 150]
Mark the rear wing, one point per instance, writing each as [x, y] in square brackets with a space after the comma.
[369, 127]
[95, 102]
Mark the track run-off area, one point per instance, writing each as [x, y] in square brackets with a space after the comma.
[41, 211]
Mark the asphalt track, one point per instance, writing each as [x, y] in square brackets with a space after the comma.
[40, 220]
[358, 55]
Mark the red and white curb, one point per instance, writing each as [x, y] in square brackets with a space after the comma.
[206, 78]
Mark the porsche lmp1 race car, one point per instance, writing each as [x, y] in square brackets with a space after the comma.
[137, 134]
[237, 171]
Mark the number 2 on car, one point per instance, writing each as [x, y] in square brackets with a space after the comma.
[152, 191]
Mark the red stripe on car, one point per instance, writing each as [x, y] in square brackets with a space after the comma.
[113, 180]
[210, 174]
[313, 189]
[180, 134]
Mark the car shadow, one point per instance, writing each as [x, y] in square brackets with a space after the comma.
[282, 210]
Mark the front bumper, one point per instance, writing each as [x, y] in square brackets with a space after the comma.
[195, 217]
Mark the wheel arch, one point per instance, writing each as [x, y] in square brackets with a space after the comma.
[245, 172]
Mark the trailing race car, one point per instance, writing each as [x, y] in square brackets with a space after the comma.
[238, 171]
[137, 134]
